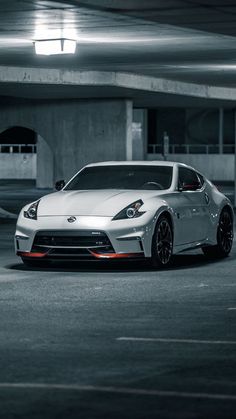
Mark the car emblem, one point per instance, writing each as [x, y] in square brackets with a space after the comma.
[71, 219]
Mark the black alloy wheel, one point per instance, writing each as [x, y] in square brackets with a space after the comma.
[162, 243]
[225, 234]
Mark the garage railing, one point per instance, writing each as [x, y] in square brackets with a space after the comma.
[18, 148]
[192, 149]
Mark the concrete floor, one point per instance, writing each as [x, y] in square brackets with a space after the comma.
[111, 341]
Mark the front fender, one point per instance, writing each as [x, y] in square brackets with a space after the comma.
[163, 209]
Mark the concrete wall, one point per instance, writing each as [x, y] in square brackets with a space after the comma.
[213, 166]
[17, 166]
[76, 131]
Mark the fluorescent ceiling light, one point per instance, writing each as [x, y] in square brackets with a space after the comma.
[55, 46]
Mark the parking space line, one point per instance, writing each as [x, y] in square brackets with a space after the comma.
[121, 390]
[187, 341]
[231, 308]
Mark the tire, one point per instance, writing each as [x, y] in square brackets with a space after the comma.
[225, 233]
[35, 263]
[162, 244]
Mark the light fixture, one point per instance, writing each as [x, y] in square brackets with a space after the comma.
[55, 46]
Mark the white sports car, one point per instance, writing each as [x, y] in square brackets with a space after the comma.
[127, 210]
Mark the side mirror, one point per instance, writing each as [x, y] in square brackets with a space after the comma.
[59, 185]
[189, 187]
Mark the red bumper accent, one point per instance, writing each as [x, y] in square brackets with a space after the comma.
[93, 253]
[115, 255]
[31, 254]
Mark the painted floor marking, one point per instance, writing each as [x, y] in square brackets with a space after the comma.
[122, 390]
[231, 308]
[166, 340]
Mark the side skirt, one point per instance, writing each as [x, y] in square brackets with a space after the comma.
[191, 246]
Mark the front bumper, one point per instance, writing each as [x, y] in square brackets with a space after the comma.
[89, 237]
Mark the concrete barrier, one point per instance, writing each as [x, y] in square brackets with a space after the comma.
[213, 166]
[17, 166]
[7, 214]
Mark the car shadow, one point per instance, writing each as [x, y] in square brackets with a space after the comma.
[180, 262]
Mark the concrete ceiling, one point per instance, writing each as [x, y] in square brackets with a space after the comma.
[217, 16]
[185, 40]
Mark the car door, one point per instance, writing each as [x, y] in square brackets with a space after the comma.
[191, 207]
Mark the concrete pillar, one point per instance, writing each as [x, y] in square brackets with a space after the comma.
[45, 164]
[139, 134]
[235, 158]
[129, 131]
[221, 130]
[91, 131]
[73, 133]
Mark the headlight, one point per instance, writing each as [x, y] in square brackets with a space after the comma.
[32, 211]
[131, 211]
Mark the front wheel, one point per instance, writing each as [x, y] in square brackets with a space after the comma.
[162, 244]
[225, 233]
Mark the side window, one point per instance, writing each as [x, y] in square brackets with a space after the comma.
[188, 177]
[201, 179]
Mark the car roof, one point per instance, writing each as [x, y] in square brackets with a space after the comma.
[133, 163]
[139, 163]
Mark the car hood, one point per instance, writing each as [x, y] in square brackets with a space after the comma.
[93, 202]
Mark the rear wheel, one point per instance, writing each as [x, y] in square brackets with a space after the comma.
[224, 237]
[162, 244]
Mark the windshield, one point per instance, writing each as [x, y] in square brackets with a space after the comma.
[122, 177]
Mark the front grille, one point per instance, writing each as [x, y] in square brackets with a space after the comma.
[71, 243]
[69, 253]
